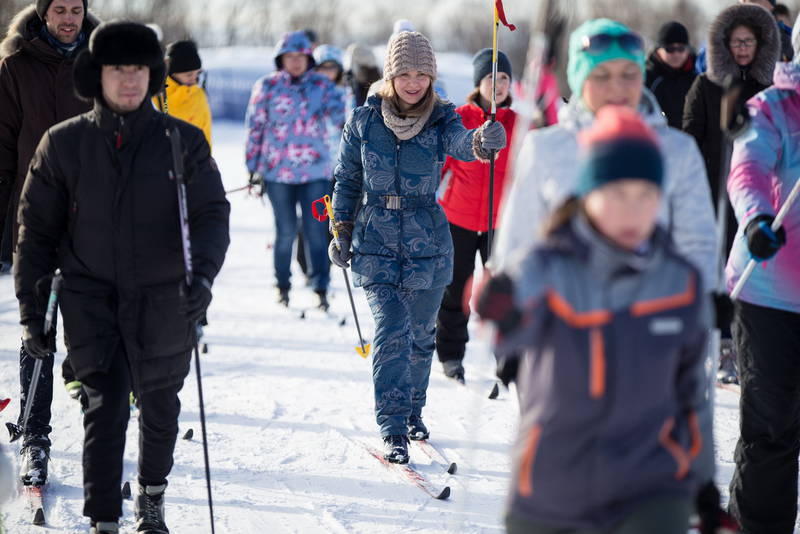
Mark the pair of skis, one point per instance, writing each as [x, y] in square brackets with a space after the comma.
[414, 476]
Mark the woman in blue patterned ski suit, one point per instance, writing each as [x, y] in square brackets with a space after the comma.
[385, 206]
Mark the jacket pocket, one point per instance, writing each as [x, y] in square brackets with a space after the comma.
[164, 329]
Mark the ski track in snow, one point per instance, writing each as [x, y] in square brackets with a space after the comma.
[287, 401]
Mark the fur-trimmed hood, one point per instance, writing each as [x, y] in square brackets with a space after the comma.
[720, 60]
[25, 26]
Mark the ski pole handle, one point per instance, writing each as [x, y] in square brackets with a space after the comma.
[776, 224]
[327, 213]
[52, 302]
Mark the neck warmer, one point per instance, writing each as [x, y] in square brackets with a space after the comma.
[403, 127]
[66, 50]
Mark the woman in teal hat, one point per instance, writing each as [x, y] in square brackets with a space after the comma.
[607, 67]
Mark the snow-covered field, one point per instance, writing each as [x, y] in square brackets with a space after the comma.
[289, 403]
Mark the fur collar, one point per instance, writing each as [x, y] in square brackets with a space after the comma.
[25, 25]
[721, 62]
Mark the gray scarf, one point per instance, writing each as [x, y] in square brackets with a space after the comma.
[403, 128]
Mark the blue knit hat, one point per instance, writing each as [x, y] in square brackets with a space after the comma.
[619, 145]
[482, 65]
[582, 62]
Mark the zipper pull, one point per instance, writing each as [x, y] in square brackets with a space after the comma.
[119, 132]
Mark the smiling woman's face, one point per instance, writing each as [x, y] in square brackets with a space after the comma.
[411, 86]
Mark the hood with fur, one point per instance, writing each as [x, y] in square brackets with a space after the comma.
[25, 27]
[720, 60]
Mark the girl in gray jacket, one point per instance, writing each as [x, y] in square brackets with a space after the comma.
[611, 325]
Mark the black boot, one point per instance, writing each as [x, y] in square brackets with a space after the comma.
[33, 468]
[396, 449]
[453, 369]
[104, 527]
[283, 296]
[149, 510]
[323, 299]
[417, 430]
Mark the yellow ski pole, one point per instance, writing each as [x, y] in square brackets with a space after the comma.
[363, 348]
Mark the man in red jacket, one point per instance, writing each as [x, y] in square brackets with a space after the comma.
[466, 203]
[37, 92]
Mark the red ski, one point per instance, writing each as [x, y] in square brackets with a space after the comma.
[432, 451]
[33, 494]
[410, 474]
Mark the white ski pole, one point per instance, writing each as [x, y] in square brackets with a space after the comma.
[776, 224]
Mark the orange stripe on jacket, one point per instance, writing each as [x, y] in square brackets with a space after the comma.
[674, 448]
[564, 310]
[646, 307]
[597, 375]
[526, 468]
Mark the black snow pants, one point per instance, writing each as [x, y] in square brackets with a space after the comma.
[38, 429]
[105, 398]
[764, 485]
[451, 322]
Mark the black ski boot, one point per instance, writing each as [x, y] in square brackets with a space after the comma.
[417, 431]
[283, 296]
[323, 299]
[149, 510]
[104, 527]
[396, 449]
[33, 468]
[453, 369]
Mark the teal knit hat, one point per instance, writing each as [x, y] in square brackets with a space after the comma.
[581, 62]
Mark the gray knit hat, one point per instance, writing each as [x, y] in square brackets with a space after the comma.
[409, 51]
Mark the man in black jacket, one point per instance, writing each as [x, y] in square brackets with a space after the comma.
[100, 204]
[670, 71]
[36, 92]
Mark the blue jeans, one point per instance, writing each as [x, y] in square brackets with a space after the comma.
[405, 326]
[284, 199]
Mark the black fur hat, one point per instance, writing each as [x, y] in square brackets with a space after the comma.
[119, 43]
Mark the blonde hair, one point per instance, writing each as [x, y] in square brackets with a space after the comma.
[387, 92]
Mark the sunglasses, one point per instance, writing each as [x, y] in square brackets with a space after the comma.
[675, 48]
[601, 42]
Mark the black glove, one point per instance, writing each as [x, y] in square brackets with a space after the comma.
[496, 303]
[713, 519]
[198, 299]
[36, 343]
[257, 183]
[493, 136]
[339, 249]
[723, 311]
[762, 242]
[508, 368]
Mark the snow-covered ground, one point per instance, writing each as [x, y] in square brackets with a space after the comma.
[289, 403]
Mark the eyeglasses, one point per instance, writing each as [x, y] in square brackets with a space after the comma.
[675, 48]
[601, 42]
[743, 43]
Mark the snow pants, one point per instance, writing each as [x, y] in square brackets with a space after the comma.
[105, 399]
[764, 485]
[402, 349]
[38, 430]
[660, 515]
[451, 323]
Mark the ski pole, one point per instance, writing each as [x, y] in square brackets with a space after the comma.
[776, 224]
[363, 348]
[17, 431]
[493, 118]
[183, 211]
